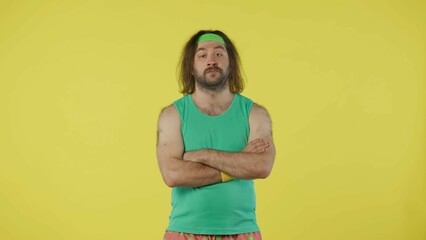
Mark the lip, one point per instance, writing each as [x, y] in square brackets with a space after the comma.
[213, 70]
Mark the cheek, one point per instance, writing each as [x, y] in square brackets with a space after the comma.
[198, 64]
[196, 70]
[225, 62]
[225, 65]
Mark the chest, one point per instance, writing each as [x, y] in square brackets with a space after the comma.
[228, 132]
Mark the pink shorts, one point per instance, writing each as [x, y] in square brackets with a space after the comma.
[189, 236]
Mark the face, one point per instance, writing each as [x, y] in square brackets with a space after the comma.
[211, 65]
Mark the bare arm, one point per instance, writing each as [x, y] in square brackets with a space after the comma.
[245, 164]
[174, 170]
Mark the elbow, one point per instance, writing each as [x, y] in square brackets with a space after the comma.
[169, 180]
[265, 169]
[169, 183]
[264, 172]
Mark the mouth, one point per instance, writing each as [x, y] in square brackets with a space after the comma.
[209, 70]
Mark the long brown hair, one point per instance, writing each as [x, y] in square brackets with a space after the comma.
[186, 64]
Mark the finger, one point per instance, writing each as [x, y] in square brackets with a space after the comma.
[259, 149]
[258, 143]
[252, 144]
[256, 140]
[261, 146]
[251, 149]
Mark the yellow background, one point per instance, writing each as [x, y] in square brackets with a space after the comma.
[82, 84]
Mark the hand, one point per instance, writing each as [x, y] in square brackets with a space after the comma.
[259, 145]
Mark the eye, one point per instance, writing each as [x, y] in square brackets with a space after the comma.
[219, 54]
[202, 56]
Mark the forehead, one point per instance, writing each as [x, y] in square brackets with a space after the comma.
[210, 45]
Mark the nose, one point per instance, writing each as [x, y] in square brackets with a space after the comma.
[212, 62]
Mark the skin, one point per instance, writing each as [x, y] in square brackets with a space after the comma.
[212, 96]
[211, 67]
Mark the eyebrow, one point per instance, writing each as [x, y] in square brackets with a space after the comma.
[217, 47]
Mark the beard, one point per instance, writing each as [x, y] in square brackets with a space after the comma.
[213, 83]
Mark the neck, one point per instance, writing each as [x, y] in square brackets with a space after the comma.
[216, 97]
[212, 102]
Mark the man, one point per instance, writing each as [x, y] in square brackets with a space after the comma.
[212, 143]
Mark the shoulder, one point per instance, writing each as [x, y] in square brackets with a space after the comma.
[172, 110]
[259, 117]
[259, 111]
[244, 102]
[260, 123]
[168, 114]
[243, 98]
[182, 100]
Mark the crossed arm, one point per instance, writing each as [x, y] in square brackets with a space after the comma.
[203, 167]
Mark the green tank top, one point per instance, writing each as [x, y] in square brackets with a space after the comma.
[223, 208]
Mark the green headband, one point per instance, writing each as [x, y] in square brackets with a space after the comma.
[210, 37]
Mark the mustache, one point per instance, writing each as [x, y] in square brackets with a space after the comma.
[217, 69]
